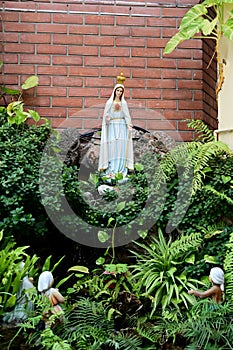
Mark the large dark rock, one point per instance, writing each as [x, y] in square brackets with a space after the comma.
[143, 142]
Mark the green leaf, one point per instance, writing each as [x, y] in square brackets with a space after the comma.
[110, 313]
[143, 233]
[20, 117]
[47, 263]
[35, 116]
[227, 29]
[190, 259]
[225, 179]
[190, 25]
[208, 26]
[10, 91]
[110, 220]
[119, 176]
[93, 178]
[100, 261]
[57, 263]
[30, 82]
[13, 106]
[10, 302]
[56, 149]
[63, 281]
[103, 236]
[120, 206]
[193, 16]
[78, 268]
[139, 167]
[210, 259]
[47, 122]
[181, 36]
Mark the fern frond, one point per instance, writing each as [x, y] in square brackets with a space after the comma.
[179, 157]
[204, 134]
[202, 158]
[127, 342]
[87, 320]
[186, 244]
[149, 332]
[220, 195]
[193, 158]
[228, 268]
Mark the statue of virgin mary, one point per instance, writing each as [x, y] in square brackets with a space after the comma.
[116, 147]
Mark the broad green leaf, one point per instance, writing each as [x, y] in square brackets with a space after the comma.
[10, 91]
[190, 259]
[35, 116]
[181, 36]
[191, 24]
[110, 220]
[193, 16]
[119, 176]
[100, 261]
[30, 82]
[190, 298]
[183, 276]
[20, 117]
[78, 268]
[117, 268]
[208, 26]
[225, 179]
[227, 29]
[1, 235]
[10, 302]
[103, 236]
[13, 106]
[120, 206]
[210, 259]
[139, 166]
[47, 263]
[170, 293]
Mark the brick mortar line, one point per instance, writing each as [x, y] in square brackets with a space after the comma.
[3, 9]
[75, 12]
[130, 3]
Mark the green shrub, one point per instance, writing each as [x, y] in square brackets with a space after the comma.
[20, 148]
[159, 272]
[12, 273]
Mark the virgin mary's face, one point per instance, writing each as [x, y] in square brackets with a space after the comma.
[119, 92]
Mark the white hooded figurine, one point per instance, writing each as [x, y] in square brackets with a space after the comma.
[45, 283]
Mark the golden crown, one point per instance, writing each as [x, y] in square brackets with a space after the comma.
[121, 78]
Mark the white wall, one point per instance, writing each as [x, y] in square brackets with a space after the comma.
[225, 98]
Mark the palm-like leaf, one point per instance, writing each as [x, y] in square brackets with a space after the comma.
[157, 274]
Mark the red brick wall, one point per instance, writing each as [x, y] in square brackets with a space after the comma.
[77, 47]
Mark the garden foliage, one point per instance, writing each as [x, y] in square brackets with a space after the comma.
[134, 299]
